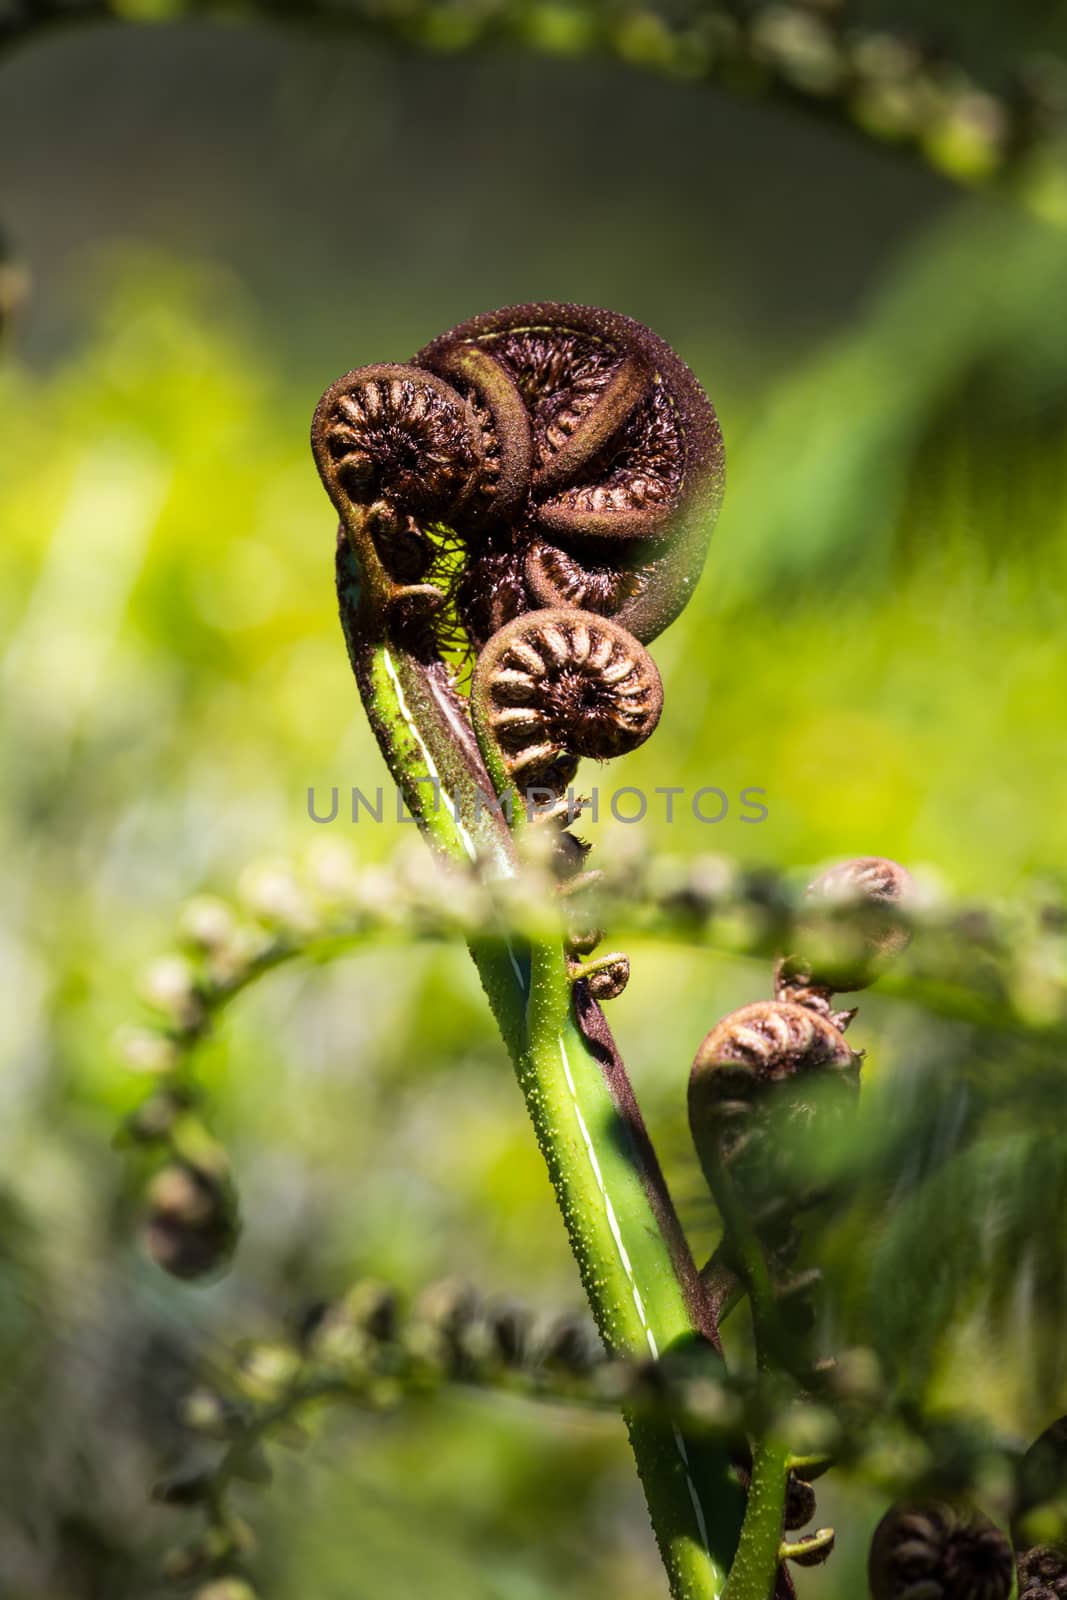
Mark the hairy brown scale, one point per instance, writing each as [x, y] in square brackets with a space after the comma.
[641, 468]
[488, 487]
[553, 365]
[491, 589]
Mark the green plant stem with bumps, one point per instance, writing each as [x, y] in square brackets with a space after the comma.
[628, 1268]
[756, 1565]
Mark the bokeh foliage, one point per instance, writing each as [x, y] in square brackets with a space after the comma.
[878, 642]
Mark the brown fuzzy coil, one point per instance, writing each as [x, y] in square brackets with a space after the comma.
[939, 1552]
[567, 449]
[401, 435]
[553, 685]
[852, 932]
[765, 1044]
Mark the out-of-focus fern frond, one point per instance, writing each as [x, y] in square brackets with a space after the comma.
[974, 1245]
[892, 83]
[368, 1352]
[946, 1208]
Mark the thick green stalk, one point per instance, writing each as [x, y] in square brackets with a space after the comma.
[629, 1270]
[755, 1568]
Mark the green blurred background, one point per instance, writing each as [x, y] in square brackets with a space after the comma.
[217, 222]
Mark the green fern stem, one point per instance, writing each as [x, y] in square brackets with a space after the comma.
[755, 1569]
[640, 1278]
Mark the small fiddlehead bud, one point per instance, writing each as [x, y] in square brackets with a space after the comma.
[812, 1550]
[749, 1053]
[397, 450]
[569, 858]
[554, 685]
[1042, 1573]
[853, 933]
[605, 978]
[761, 1077]
[799, 1503]
[939, 1552]
[401, 435]
[191, 1225]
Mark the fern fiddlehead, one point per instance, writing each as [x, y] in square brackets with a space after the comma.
[398, 451]
[868, 895]
[530, 459]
